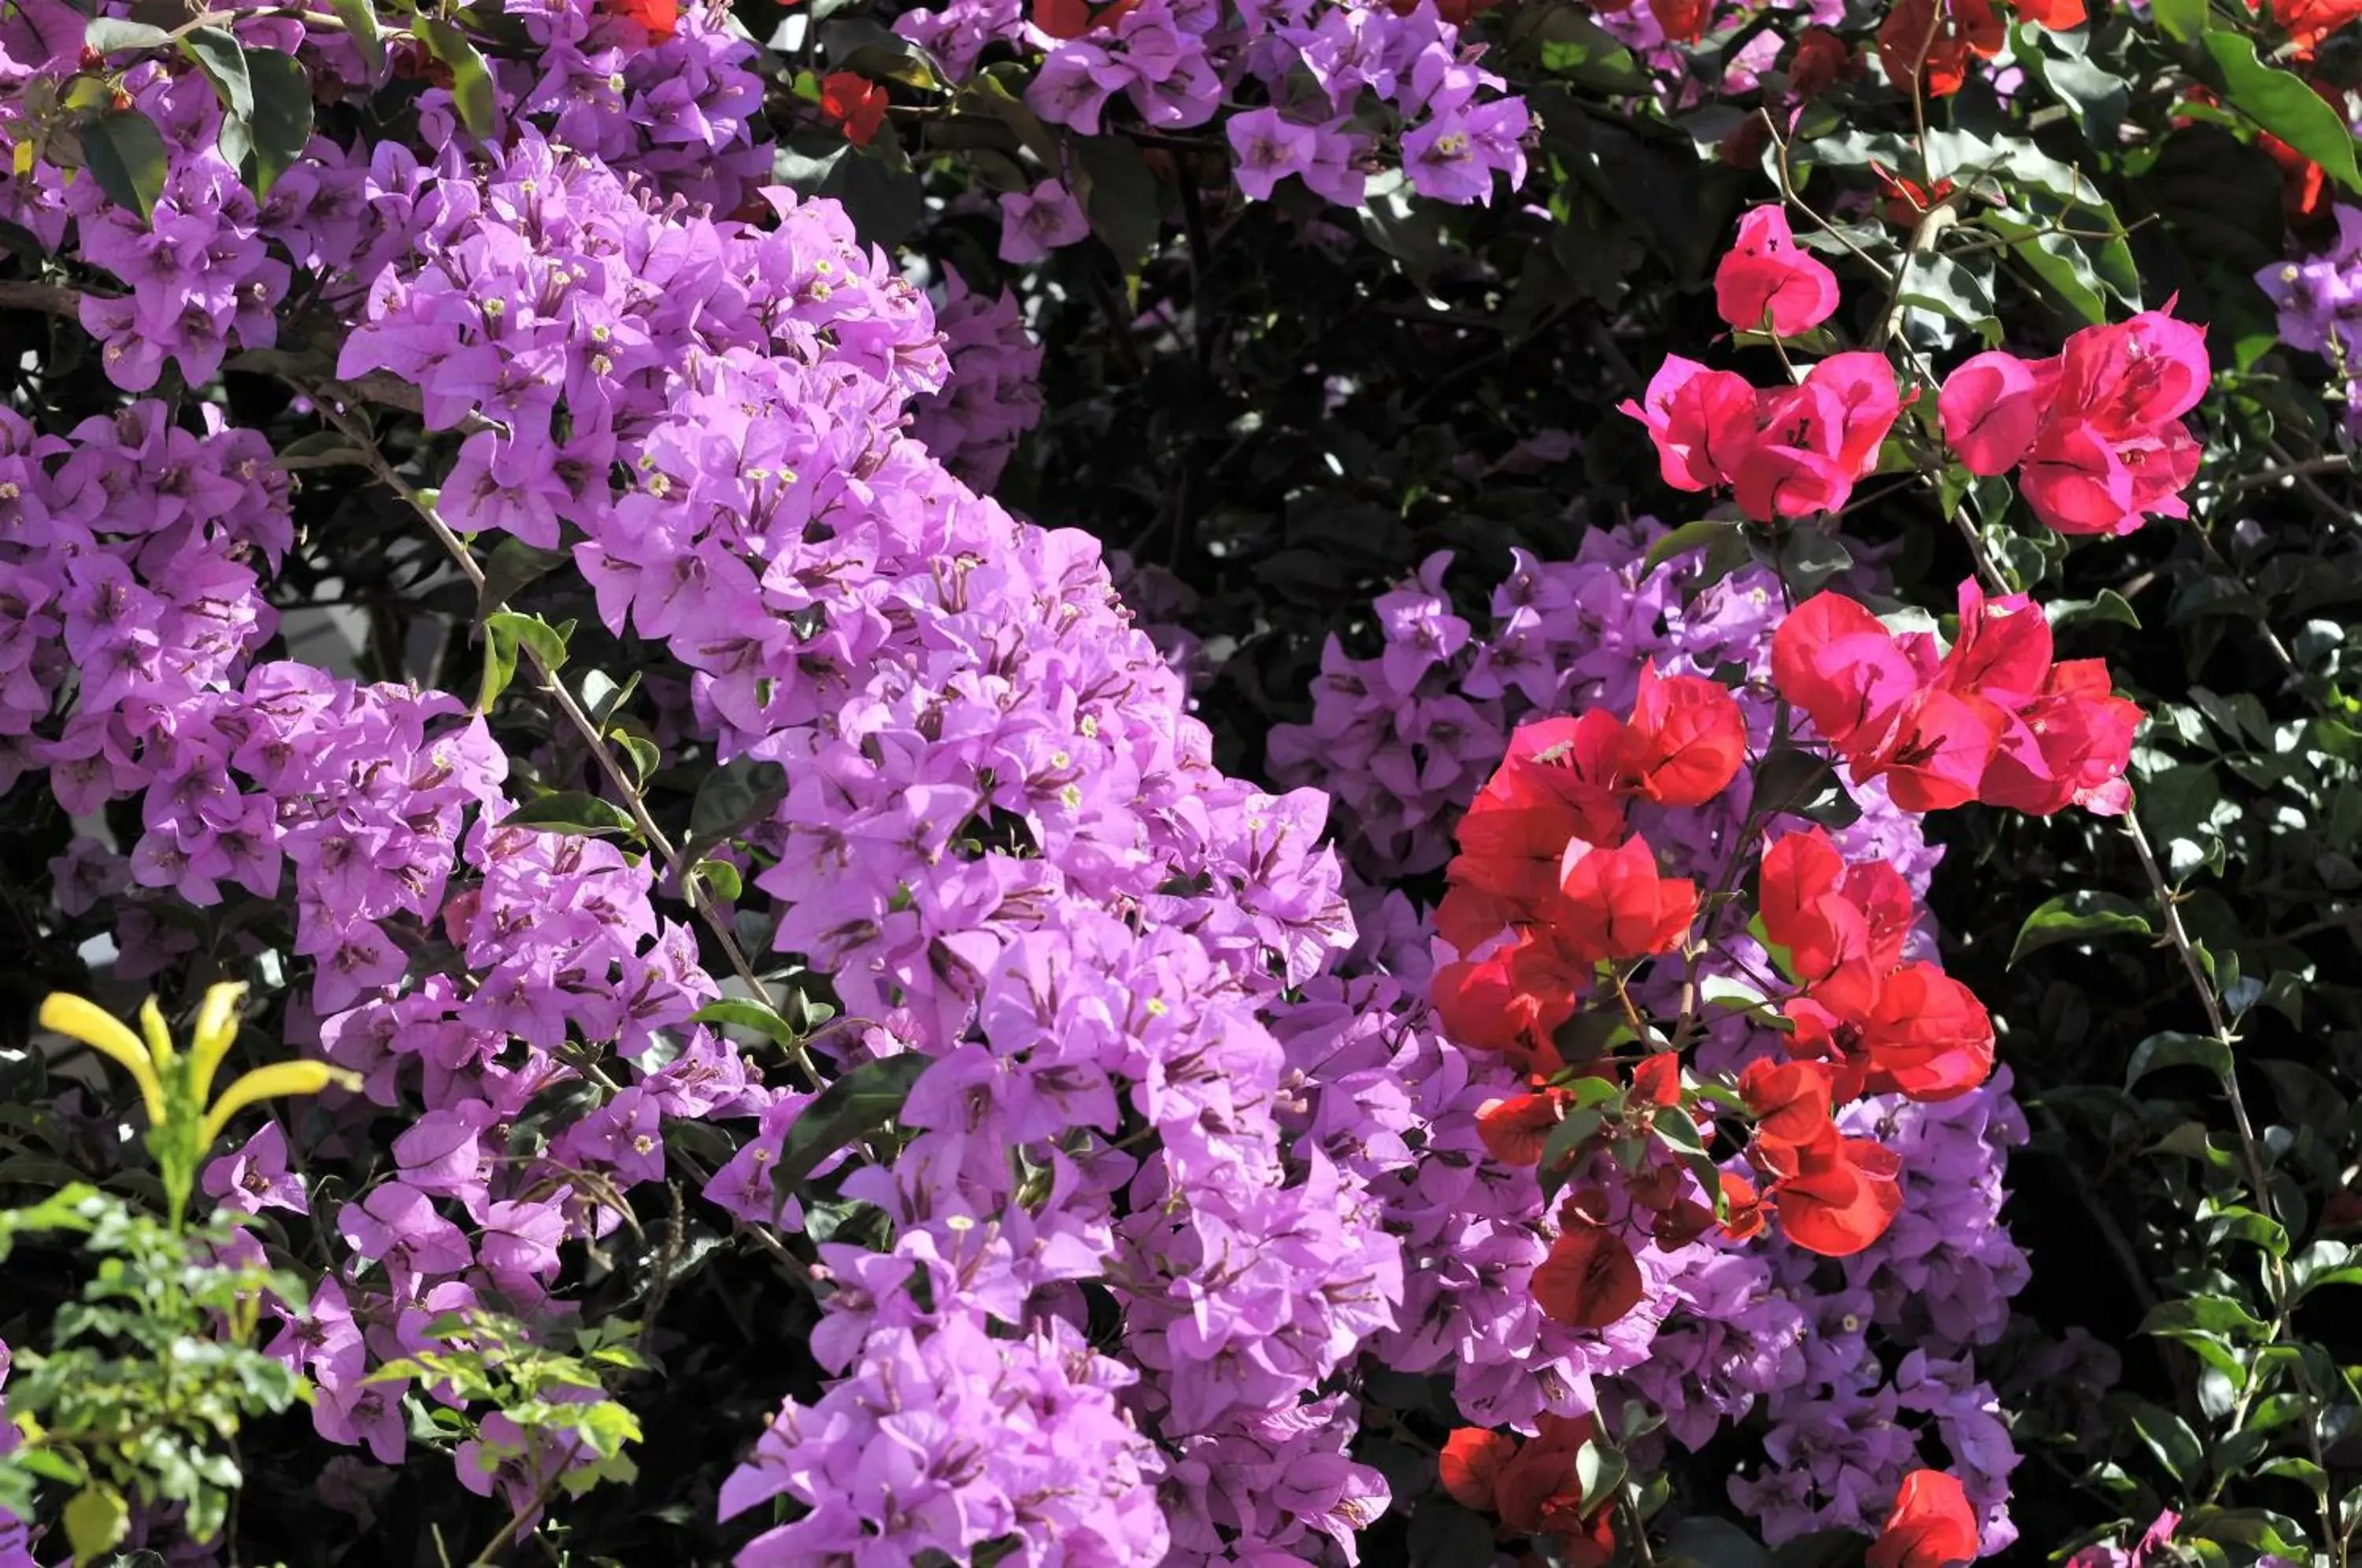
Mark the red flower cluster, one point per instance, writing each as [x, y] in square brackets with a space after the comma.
[660, 18]
[1543, 854]
[1784, 451]
[854, 102]
[1531, 1485]
[1765, 283]
[2097, 428]
[1864, 1021]
[1992, 719]
[1927, 44]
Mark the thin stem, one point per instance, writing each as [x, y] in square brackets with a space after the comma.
[2169, 903]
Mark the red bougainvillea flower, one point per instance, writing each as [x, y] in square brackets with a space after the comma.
[1821, 58]
[1657, 1079]
[1511, 999]
[1826, 912]
[1907, 201]
[1927, 1037]
[1557, 783]
[1992, 719]
[659, 18]
[854, 102]
[1836, 1195]
[1790, 1100]
[1536, 1491]
[1766, 280]
[2058, 16]
[1832, 658]
[1931, 42]
[1932, 1526]
[1471, 1465]
[1681, 21]
[1685, 741]
[1069, 20]
[1785, 451]
[1589, 1280]
[1514, 1130]
[1613, 905]
[1702, 422]
[2098, 430]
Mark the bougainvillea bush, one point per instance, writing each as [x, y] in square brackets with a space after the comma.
[1453, 782]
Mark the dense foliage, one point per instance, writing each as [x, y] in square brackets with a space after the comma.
[1029, 783]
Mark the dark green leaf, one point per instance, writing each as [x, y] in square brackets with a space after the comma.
[2285, 106]
[2170, 1437]
[571, 811]
[2159, 1052]
[125, 155]
[856, 1105]
[733, 795]
[108, 34]
[1120, 196]
[222, 57]
[1702, 1540]
[2073, 917]
[512, 565]
[281, 126]
[2181, 19]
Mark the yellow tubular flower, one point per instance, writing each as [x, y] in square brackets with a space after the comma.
[269, 1082]
[159, 1034]
[95, 1027]
[217, 1027]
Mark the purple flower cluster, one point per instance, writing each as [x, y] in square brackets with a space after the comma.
[1324, 74]
[991, 397]
[128, 591]
[1403, 739]
[2320, 301]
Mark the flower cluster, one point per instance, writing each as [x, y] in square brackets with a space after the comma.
[1321, 72]
[990, 398]
[1785, 452]
[1718, 1327]
[1993, 719]
[2319, 300]
[2096, 433]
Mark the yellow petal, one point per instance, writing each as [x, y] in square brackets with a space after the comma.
[159, 1034]
[269, 1083]
[216, 1028]
[78, 1019]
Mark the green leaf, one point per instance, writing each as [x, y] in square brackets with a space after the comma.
[222, 57]
[471, 81]
[2109, 606]
[2170, 1437]
[360, 17]
[1600, 1471]
[2078, 917]
[2211, 1314]
[1120, 196]
[719, 879]
[732, 795]
[125, 154]
[856, 1105]
[2159, 1052]
[2181, 19]
[108, 34]
[747, 1013]
[572, 812]
[2056, 260]
[280, 126]
[512, 566]
[96, 1521]
[506, 632]
[1689, 536]
[2285, 106]
[1701, 1541]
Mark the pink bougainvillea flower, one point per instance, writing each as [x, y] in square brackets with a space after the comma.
[1766, 280]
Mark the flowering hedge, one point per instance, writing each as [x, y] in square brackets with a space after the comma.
[1048, 783]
